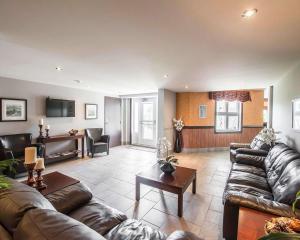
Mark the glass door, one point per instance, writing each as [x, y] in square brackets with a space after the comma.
[144, 121]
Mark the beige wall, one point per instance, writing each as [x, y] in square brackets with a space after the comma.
[188, 108]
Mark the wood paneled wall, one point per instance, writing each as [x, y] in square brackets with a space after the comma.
[205, 137]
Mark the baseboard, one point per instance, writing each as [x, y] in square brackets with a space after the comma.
[214, 149]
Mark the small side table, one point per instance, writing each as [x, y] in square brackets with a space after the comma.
[251, 223]
[56, 181]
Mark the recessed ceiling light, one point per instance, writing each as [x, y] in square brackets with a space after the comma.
[186, 86]
[78, 81]
[58, 68]
[249, 13]
[166, 76]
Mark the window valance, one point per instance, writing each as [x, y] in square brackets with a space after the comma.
[242, 96]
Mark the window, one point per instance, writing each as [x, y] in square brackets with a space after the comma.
[228, 116]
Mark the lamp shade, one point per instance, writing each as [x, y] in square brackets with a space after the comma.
[30, 155]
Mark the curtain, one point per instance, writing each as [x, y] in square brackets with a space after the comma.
[242, 96]
[125, 121]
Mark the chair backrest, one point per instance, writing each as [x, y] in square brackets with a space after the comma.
[15, 142]
[94, 133]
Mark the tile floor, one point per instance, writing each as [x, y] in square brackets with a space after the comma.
[112, 180]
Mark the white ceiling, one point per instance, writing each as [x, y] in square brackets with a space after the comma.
[127, 46]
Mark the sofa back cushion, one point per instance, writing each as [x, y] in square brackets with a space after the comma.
[258, 144]
[288, 184]
[16, 201]
[43, 224]
[4, 235]
[17, 143]
[277, 160]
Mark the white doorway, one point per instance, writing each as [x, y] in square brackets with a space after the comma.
[144, 121]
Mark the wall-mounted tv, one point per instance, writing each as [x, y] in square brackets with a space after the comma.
[60, 108]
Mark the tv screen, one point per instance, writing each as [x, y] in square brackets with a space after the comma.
[60, 108]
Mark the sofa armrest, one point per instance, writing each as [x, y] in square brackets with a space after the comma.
[260, 204]
[70, 198]
[182, 235]
[105, 138]
[250, 151]
[256, 161]
[239, 145]
[8, 153]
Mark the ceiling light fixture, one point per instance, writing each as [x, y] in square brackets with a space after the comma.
[78, 81]
[186, 86]
[249, 13]
[166, 76]
[59, 68]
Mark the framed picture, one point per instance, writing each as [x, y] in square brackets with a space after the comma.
[296, 114]
[91, 111]
[203, 111]
[13, 110]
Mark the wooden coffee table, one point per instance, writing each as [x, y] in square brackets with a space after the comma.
[176, 183]
[56, 181]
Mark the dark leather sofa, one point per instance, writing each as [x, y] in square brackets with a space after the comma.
[268, 184]
[70, 214]
[96, 142]
[13, 146]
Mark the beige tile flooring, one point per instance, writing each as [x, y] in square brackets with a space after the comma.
[112, 180]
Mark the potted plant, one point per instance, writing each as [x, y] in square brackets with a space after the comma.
[283, 227]
[178, 125]
[8, 164]
[168, 165]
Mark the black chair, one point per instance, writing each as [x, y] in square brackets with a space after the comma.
[96, 142]
[13, 147]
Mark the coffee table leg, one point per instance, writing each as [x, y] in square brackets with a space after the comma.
[180, 204]
[137, 189]
[194, 184]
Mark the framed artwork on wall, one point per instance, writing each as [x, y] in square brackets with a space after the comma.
[203, 111]
[91, 111]
[13, 110]
[296, 114]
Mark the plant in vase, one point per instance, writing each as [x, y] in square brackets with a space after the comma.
[283, 227]
[169, 164]
[6, 165]
[268, 136]
[178, 125]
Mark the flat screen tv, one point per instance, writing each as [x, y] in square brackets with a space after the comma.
[60, 108]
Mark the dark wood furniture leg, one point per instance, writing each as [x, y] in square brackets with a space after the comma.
[137, 189]
[180, 204]
[76, 146]
[82, 147]
[194, 185]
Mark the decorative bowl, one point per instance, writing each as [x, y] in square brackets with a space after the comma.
[73, 132]
[282, 224]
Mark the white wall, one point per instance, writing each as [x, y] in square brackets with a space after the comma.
[36, 94]
[166, 112]
[285, 90]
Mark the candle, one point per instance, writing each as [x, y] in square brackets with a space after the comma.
[30, 155]
[47, 127]
[41, 122]
[40, 164]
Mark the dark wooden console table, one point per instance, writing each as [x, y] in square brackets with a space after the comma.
[62, 155]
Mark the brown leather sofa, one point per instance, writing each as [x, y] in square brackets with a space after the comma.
[268, 184]
[13, 146]
[255, 148]
[70, 214]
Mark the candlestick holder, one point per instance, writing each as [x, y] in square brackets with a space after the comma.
[30, 180]
[41, 131]
[40, 185]
[47, 133]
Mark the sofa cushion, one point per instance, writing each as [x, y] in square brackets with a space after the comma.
[182, 235]
[44, 224]
[288, 184]
[258, 144]
[4, 235]
[256, 192]
[134, 230]
[70, 198]
[16, 201]
[98, 216]
[249, 179]
[248, 169]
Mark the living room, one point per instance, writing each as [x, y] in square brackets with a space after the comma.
[146, 120]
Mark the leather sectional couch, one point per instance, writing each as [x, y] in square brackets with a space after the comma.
[70, 214]
[268, 184]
